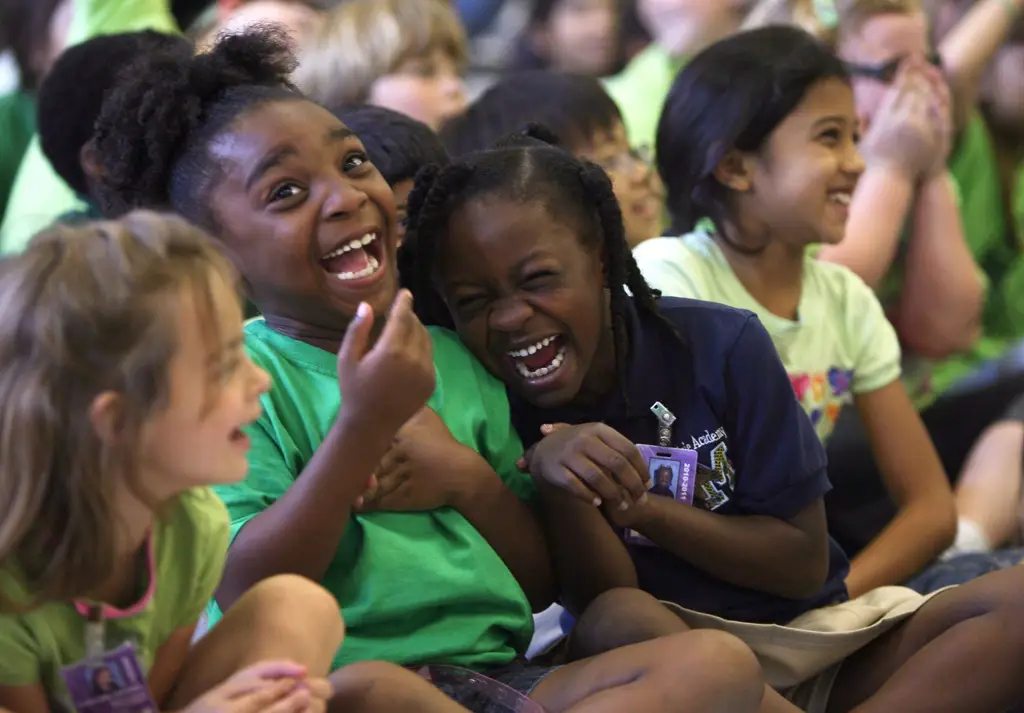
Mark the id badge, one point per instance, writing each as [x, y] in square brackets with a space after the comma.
[478, 692]
[112, 682]
[673, 473]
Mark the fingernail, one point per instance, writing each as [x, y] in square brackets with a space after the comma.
[623, 506]
[643, 499]
[545, 428]
[597, 502]
[650, 484]
[363, 309]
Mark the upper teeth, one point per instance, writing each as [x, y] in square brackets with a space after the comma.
[843, 198]
[532, 349]
[351, 245]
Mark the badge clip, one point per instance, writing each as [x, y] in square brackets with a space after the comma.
[665, 420]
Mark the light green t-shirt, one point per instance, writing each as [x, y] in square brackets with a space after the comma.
[640, 91]
[841, 343]
[414, 588]
[39, 196]
[187, 552]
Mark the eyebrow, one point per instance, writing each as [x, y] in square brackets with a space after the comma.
[213, 361]
[279, 153]
[831, 119]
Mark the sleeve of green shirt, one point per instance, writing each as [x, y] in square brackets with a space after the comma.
[38, 195]
[19, 661]
[270, 476]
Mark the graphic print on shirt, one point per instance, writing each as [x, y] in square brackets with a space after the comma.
[822, 395]
[716, 478]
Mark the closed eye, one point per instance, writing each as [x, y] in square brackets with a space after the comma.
[830, 136]
[539, 279]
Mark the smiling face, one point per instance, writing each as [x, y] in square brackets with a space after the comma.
[429, 89]
[637, 185]
[213, 391]
[882, 40]
[311, 220]
[799, 186]
[580, 36]
[528, 299]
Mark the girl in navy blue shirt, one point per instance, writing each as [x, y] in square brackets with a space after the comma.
[521, 250]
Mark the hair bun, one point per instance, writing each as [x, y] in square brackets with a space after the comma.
[533, 135]
[262, 55]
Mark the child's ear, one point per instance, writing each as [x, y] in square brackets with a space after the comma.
[105, 416]
[734, 171]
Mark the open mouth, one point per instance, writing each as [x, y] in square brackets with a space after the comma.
[358, 259]
[841, 197]
[539, 360]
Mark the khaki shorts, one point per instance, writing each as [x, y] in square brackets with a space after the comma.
[802, 658]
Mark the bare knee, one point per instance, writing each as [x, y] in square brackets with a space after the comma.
[379, 687]
[728, 669]
[621, 617]
[293, 604]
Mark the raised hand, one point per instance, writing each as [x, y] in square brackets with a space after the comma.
[385, 384]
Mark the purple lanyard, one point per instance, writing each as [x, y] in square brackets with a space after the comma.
[498, 696]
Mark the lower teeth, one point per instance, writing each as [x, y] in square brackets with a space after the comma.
[528, 373]
[365, 272]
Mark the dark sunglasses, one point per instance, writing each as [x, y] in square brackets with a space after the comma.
[886, 71]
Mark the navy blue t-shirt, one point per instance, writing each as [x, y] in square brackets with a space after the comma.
[757, 451]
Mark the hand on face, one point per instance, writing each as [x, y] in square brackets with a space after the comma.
[384, 385]
[910, 130]
[425, 469]
[593, 462]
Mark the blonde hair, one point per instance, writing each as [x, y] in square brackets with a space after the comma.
[86, 310]
[827, 20]
[363, 40]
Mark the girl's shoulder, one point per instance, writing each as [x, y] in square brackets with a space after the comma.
[198, 521]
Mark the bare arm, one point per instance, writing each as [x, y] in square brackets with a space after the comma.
[940, 305]
[967, 49]
[878, 212]
[24, 699]
[589, 557]
[301, 531]
[785, 558]
[925, 524]
[512, 529]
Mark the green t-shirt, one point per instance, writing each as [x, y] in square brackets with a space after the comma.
[17, 124]
[640, 91]
[186, 558]
[841, 343]
[39, 196]
[414, 588]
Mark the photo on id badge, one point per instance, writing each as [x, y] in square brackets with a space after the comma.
[672, 472]
[111, 683]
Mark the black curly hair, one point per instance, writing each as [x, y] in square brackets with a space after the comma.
[398, 145]
[525, 167]
[153, 134]
[575, 108]
[71, 96]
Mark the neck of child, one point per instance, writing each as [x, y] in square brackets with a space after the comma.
[135, 520]
[773, 275]
[327, 338]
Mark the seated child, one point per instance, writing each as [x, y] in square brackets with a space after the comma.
[125, 393]
[70, 100]
[443, 560]
[405, 55]
[749, 250]
[585, 118]
[398, 146]
[581, 37]
[525, 246]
